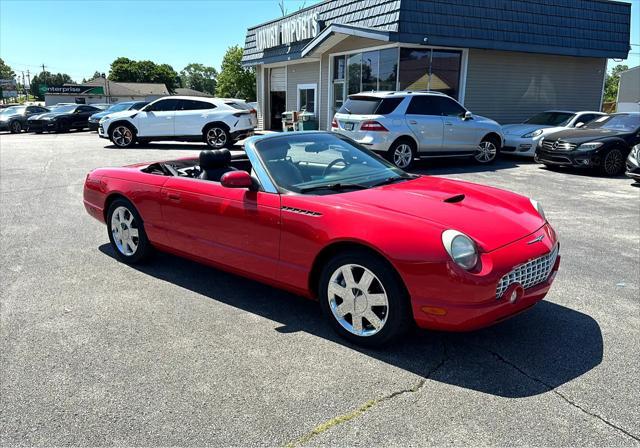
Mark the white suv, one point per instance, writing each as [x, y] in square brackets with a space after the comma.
[407, 125]
[218, 122]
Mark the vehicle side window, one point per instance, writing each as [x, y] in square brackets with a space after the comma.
[449, 107]
[32, 109]
[195, 105]
[423, 105]
[586, 118]
[138, 106]
[163, 106]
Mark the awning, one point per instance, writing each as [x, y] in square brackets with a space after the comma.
[336, 33]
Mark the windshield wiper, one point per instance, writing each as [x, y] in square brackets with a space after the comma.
[391, 180]
[334, 187]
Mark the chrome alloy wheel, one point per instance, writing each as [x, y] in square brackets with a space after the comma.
[124, 230]
[613, 162]
[358, 300]
[122, 136]
[216, 137]
[402, 156]
[486, 152]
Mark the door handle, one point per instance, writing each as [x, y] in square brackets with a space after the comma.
[169, 118]
[413, 122]
[173, 196]
[448, 123]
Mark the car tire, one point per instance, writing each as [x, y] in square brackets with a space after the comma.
[363, 321]
[402, 154]
[15, 127]
[122, 135]
[126, 232]
[612, 162]
[488, 150]
[216, 137]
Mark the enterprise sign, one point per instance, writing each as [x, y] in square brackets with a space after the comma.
[289, 31]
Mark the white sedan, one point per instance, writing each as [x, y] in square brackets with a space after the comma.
[522, 139]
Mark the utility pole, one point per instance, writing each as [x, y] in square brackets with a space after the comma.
[43, 67]
[24, 88]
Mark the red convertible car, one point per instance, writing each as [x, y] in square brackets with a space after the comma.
[318, 215]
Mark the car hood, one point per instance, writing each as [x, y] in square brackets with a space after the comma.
[486, 121]
[522, 128]
[582, 135]
[492, 217]
[99, 115]
[123, 114]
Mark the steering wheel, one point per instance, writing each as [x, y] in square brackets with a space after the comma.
[332, 164]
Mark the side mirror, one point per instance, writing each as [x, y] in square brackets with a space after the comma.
[236, 179]
[468, 116]
[579, 125]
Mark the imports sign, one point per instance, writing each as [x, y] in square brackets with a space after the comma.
[75, 90]
[286, 32]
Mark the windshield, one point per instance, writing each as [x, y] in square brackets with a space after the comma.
[324, 163]
[623, 122]
[65, 109]
[551, 118]
[119, 107]
[13, 110]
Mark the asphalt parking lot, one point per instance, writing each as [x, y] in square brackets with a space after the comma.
[94, 352]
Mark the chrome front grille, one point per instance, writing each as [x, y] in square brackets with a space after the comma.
[550, 145]
[529, 274]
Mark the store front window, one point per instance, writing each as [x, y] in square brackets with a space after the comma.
[307, 97]
[437, 70]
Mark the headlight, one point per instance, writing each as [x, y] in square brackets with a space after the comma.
[460, 248]
[635, 152]
[532, 134]
[538, 208]
[589, 146]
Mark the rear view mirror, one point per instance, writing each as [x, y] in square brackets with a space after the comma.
[579, 125]
[236, 179]
[468, 116]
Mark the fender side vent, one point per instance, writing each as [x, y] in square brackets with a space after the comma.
[300, 211]
[455, 199]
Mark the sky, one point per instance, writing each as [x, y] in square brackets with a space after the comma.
[80, 37]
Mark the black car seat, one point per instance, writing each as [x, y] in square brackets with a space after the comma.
[214, 163]
[285, 172]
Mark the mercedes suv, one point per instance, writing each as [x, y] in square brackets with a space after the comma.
[409, 125]
[215, 121]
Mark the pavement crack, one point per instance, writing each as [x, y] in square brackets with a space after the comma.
[559, 394]
[340, 419]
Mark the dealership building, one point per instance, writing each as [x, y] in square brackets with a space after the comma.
[504, 59]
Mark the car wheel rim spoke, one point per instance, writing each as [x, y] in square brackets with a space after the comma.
[122, 136]
[125, 232]
[358, 300]
[613, 162]
[217, 137]
[402, 156]
[486, 152]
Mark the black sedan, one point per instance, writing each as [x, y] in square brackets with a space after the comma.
[119, 107]
[633, 163]
[603, 144]
[63, 119]
[14, 118]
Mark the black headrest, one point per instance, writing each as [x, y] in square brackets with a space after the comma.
[218, 158]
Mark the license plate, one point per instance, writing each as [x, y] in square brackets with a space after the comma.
[348, 126]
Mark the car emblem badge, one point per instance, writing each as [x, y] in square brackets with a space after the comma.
[536, 240]
[555, 145]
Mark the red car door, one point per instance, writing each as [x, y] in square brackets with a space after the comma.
[234, 227]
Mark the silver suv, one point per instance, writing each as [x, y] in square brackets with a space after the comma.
[408, 125]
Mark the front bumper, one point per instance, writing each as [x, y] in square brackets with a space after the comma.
[42, 125]
[583, 159]
[4, 125]
[471, 301]
[519, 146]
[101, 131]
[633, 169]
[93, 125]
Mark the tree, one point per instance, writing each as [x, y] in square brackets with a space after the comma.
[612, 82]
[96, 74]
[6, 72]
[47, 79]
[199, 77]
[129, 70]
[235, 81]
